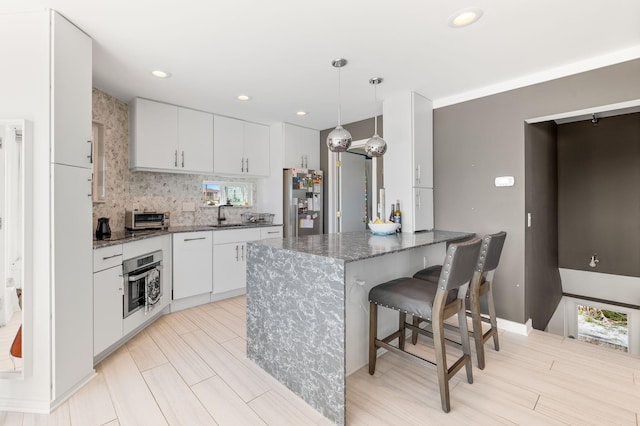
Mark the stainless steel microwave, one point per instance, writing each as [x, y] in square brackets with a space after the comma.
[137, 220]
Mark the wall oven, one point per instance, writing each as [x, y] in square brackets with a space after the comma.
[142, 282]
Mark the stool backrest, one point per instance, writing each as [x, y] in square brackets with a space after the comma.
[459, 264]
[490, 252]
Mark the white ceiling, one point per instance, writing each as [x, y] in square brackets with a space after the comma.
[279, 52]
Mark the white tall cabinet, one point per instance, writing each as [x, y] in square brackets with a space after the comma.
[408, 129]
[50, 86]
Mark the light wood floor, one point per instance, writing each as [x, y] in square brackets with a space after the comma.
[189, 368]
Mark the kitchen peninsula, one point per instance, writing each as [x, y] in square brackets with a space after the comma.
[307, 306]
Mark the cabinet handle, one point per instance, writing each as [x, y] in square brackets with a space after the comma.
[418, 200]
[242, 251]
[90, 187]
[175, 158]
[183, 159]
[247, 165]
[242, 164]
[194, 239]
[237, 257]
[90, 156]
[418, 173]
[111, 257]
[273, 232]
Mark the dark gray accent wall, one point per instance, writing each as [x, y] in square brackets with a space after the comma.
[543, 287]
[362, 129]
[476, 141]
[599, 196]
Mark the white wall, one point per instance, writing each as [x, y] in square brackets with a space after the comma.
[24, 94]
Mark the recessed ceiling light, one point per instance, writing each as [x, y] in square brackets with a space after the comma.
[160, 74]
[301, 113]
[464, 17]
[243, 97]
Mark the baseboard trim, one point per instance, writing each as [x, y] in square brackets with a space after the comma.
[60, 400]
[515, 327]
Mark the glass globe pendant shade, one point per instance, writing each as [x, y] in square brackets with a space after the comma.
[375, 146]
[339, 140]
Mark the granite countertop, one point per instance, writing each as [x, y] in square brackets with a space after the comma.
[354, 246]
[120, 237]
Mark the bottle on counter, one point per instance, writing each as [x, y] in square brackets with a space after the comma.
[393, 212]
[397, 216]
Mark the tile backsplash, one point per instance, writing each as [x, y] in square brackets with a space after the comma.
[147, 190]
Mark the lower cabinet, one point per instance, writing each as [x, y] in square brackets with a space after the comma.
[107, 308]
[107, 297]
[230, 259]
[192, 263]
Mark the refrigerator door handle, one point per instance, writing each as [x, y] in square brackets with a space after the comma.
[294, 216]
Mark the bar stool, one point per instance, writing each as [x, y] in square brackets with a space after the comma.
[480, 286]
[433, 302]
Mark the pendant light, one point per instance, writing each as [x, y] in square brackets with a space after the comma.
[375, 146]
[339, 140]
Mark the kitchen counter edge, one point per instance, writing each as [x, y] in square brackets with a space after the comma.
[128, 237]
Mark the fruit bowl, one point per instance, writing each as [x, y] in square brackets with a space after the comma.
[383, 228]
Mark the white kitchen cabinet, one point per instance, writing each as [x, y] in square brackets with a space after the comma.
[71, 84]
[192, 263]
[195, 141]
[108, 293]
[301, 147]
[271, 232]
[230, 259]
[72, 256]
[408, 122]
[423, 208]
[240, 147]
[169, 138]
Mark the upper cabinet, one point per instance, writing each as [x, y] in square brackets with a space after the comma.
[408, 129]
[71, 94]
[240, 147]
[301, 147]
[169, 138]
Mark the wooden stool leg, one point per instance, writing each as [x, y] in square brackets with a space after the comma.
[476, 320]
[464, 339]
[414, 335]
[441, 360]
[492, 317]
[373, 330]
[401, 328]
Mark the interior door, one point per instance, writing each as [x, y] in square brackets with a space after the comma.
[353, 192]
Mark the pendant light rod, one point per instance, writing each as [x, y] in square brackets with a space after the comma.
[375, 81]
[339, 63]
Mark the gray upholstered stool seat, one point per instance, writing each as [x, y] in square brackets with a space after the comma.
[410, 295]
[480, 286]
[432, 302]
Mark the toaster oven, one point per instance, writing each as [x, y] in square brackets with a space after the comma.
[137, 220]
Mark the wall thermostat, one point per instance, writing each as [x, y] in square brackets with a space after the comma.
[505, 181]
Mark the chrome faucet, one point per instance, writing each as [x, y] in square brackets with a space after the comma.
[221, 218]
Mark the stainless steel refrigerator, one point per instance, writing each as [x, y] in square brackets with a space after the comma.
[302, 213]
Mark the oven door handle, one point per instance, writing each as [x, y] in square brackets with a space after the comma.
[142, 275]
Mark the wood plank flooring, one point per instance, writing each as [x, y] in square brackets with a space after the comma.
[190, 368]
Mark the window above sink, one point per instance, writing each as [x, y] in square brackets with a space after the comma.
[215, 193]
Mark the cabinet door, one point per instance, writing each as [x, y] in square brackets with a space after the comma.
[423, 209]
[72, 257]
[71, 93]
[422, 117]
[256, 149]
[230, 267]
[301, 147]
[107, 308]
[192, 263]
[195, 141]
[228, 145]
[153, 136]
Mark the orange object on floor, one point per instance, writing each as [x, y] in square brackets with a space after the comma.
[16, 346]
